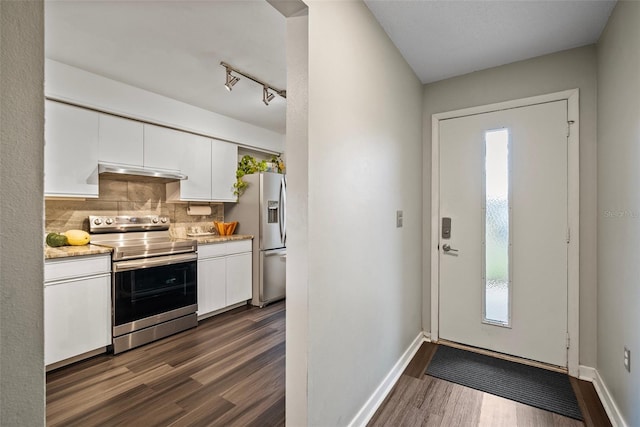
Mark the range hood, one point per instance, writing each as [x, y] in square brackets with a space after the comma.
[132, 173]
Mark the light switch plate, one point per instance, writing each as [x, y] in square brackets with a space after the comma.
[398, 219]
[627, 359]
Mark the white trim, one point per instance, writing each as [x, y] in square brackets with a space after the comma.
[375, 400]
[573, 250]
[587, 373]
[435, 224]
[573, 259]
[615, 416]
[427, 336]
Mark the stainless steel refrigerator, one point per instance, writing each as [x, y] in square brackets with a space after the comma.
[260, 211]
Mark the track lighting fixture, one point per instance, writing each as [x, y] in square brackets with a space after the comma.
[267, 97]
[268, 92]
[231, 80]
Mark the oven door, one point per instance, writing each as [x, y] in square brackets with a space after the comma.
[150, 291]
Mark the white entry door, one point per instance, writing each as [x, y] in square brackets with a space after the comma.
[503, 261]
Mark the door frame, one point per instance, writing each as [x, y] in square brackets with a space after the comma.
[573, 195]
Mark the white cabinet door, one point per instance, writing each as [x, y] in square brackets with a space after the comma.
[238, 278]
[224, 275]
[120, 141]
[194, 162]
[211, 285]
[70, 151]
[224, 162]
[162, 148]
[77, 317]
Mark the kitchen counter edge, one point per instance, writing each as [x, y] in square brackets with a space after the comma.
[221, 239]
[72, 251]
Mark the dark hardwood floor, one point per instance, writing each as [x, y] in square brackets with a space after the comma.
[230, 370]
[227, 371]
[420, 400]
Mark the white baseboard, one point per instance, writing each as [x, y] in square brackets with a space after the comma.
[586, 373]
[427, 336]
[590, 374]
[373, 403]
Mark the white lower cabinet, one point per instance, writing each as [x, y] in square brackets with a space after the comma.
[238, 278]
[224, 275]
[211, 285]
[77, 307]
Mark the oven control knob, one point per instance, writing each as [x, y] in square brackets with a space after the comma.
[163, 219]
[97, 221]
[155, 220]
[109, 221]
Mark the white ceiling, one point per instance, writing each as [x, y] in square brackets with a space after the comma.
[174, 47]
[442, 39]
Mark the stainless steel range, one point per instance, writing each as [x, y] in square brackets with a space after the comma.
[154, 278]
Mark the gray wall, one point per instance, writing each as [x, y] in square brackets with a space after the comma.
[297, 149]
[570, 69]
[21, 213]
[619, 206]
[364, 162]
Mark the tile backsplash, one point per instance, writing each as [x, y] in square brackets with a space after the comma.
[128, 198]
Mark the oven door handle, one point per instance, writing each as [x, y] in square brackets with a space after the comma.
[153, 262]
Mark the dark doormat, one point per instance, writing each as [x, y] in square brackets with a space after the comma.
[530, 385]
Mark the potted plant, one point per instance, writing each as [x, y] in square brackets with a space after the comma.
[247, 166]
[277, 164]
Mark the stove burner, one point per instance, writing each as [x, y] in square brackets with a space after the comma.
[133, 237]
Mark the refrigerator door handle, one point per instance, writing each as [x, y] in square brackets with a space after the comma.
[283, 209]
[271, 253]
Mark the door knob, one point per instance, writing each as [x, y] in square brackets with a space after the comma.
[448, 248]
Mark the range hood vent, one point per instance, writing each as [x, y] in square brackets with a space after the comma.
[132, 173]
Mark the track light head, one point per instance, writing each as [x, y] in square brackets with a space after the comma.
[266, 95]
[230, 80]
[268, 92]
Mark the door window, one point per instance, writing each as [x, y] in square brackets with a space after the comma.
[496, 281]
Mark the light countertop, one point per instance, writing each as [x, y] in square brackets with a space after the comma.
[71, 251]
[220, 239]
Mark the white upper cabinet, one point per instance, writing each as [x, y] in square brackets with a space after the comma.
[77, 139]
[120, 141]
[70, 151]
[211, 168]
[224, 162]
[162, 147]
[194, 155]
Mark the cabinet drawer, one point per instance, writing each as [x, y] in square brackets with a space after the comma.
[238, 247]
[69, 268]
[212, 250]
[221, 249]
